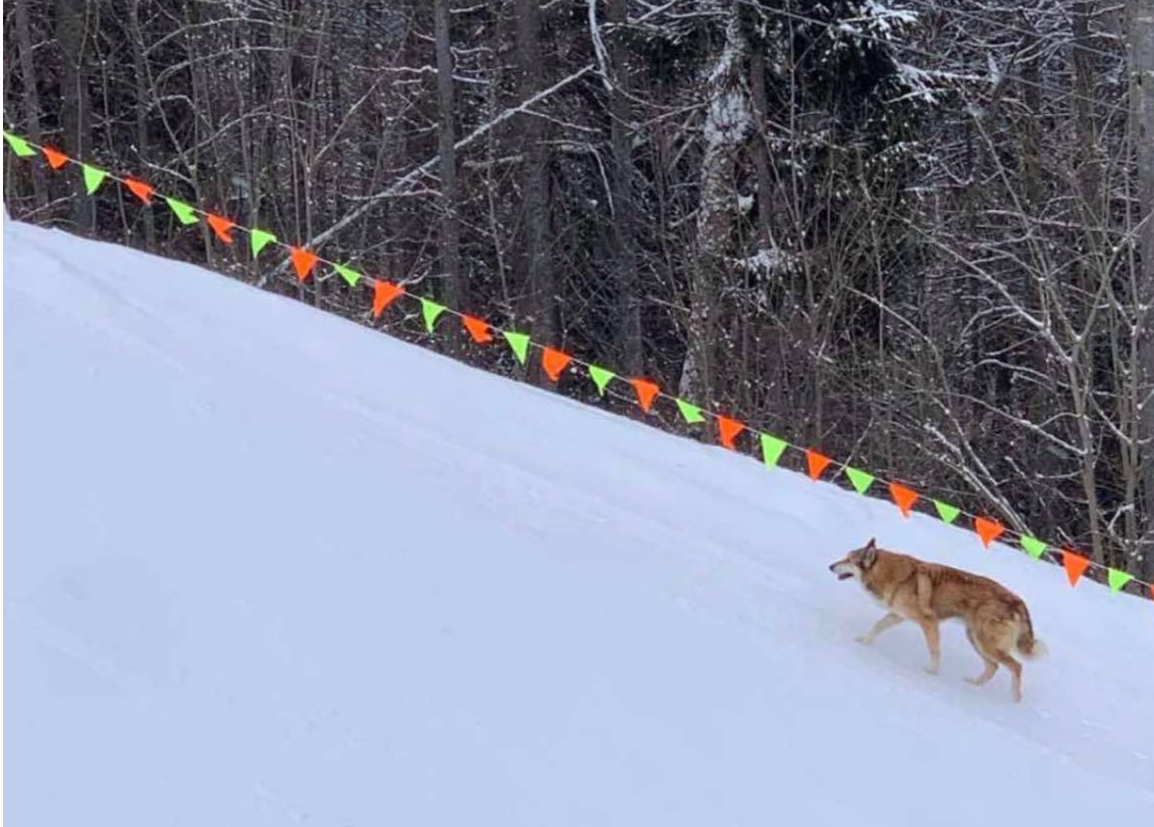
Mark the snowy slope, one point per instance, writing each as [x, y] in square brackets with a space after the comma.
[268, 567]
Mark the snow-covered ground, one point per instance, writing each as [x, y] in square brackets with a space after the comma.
[267, 567]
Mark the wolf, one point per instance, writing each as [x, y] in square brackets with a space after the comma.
[997, 621]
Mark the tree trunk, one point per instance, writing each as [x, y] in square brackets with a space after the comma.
[760, 147]
[623, 237]
[726, 123]
[1141, 43]
[143, 100]
[31, 98]
[770, 346]
[75, 115]
[1088, 166]
[450, 240]
[541, 288]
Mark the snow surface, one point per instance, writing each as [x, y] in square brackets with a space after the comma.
[265, 567]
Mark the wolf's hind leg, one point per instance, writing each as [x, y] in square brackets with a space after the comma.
[995, 638]
[987, 673]
[991, 665]
[1016, 672]
[887, 622]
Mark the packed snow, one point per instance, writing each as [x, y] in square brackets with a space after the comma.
[266, 566]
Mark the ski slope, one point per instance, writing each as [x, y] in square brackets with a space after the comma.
[266, 567]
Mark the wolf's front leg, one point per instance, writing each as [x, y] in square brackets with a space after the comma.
[934, 642]
[887, 622]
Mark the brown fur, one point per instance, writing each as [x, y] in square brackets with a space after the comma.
[997, 621]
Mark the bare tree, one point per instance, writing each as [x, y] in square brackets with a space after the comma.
[31, 97]
[450, 240]
[1141, 48]
[535, 185]
[727, 125]
[72, 39]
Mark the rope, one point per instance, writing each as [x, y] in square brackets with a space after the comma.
[840, 467]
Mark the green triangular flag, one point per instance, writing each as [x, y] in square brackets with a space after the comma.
[860, 479]
[19, 145]
[348, 274]
[690, 413]
[1117, 579]
[184, 212]
[947, 512]
[259, 239]
[600, 377]
[771, 449]
[93, 178]
[1033, 546]
[520, 344]
[431, 310]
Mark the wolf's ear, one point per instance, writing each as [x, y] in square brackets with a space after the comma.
[872, 543]
[869, 555]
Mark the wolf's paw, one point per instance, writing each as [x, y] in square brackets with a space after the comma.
[864, 640]
[931, 670]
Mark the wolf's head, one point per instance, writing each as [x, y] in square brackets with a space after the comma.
[857, 562]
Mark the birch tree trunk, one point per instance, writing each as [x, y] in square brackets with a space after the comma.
[725, 127]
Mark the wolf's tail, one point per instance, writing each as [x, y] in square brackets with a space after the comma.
[1027, 645]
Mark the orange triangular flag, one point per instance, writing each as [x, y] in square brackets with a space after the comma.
[1075, 565]
[478, 329]
[554, 361]
[988, 530]
[816, 462]
[384, 294]
[646, 392]
[140, 189]
[222, 227]
[904, 497]
[729, 430]
[303, 262]
[55, 159]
